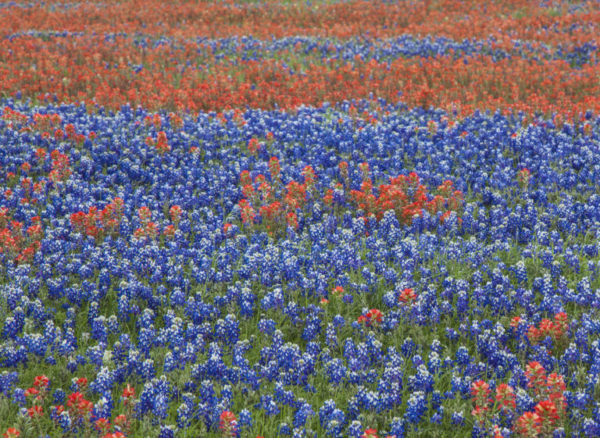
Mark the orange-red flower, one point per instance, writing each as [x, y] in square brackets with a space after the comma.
[529, 425]
[505, 396]
[370, 433]
[128, 391]
[407, 296]
[11, 432]
[372, 317]
[35, 411]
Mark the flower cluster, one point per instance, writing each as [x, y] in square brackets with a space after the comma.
[449, 57]
[371, 318]
[275, 207]
[548, 414]
[96, 223]
[556, 330]
[546, 417]
[16, 243]
[79, 415]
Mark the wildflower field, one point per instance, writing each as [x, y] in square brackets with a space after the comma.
[324, 218]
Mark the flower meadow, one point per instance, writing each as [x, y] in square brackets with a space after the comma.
[299, 219]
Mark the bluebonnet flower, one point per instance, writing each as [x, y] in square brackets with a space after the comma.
[303, 413]
[336, 423]
[355, 430]
[462, 356]
[398, 427]
[245, 419]
[19, 396]
[437, 417]
[7, 381]
[184, 415]
[336, 371]
[103, 382]
[103, 408]
[312, 328]
[170, 363]
[408, 347]
[590, 427]
[64, 421]
[524, 401]
[284, 429]
[99, 330]
[423, 381]
[166, 431]
[268, 404]
[416, 407]
[147, 370]
[331, 336]
[457, 418]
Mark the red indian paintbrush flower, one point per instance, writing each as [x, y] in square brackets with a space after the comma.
[407, 296]
[11, 432]
[228, 424]
[370, 433]
[372, 317]
[505, 396]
